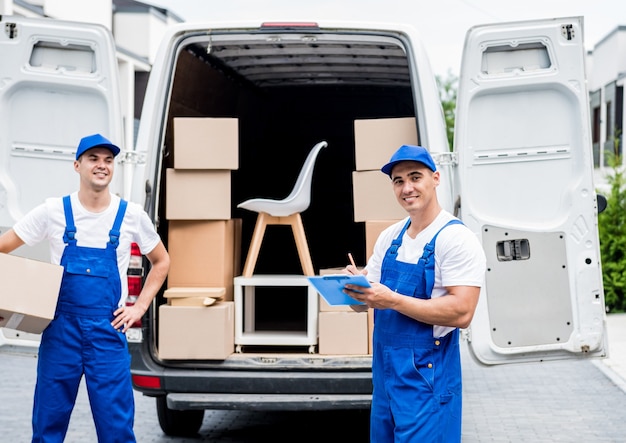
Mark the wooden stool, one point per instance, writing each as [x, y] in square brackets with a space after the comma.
[263, 220]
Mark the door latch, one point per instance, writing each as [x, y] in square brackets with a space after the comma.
[567, 31]
[510, 250]
[10, 29]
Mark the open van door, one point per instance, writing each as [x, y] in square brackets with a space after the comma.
[525, 187]
[58, 83]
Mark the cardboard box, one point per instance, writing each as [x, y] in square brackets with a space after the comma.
[29, 290]
[206, 143]
[375, 140]
[373, 229]
[204, 254]
[197, 333]
[343, 333]
[193, 296]
[187, 292]
[374, 198]
[197, 194]
[193, 301]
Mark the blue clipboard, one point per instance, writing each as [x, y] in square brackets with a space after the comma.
[331, 287]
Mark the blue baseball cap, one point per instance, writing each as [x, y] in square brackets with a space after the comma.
[410, 153]
[95, 141]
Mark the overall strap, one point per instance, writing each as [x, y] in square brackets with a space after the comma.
[427, 257]
[395, 244]
[429, 249]
[70, 230]
[114, 233]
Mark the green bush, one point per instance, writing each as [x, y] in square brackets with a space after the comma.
[612, 227]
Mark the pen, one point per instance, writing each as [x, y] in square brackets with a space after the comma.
[351, 259]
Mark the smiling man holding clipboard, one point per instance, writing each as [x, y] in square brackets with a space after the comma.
[424, 279]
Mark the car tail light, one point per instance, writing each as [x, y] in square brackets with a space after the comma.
[135, 278]
[147, 381]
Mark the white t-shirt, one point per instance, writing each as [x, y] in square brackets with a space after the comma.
[459, 256]
[47, 221]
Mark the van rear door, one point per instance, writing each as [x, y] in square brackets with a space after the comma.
[58, 83]
[525, 177]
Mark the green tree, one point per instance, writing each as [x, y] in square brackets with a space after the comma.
[612, 227]
[447, 94]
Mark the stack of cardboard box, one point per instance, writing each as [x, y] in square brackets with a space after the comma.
[375, 140]
[204, 242]
[341, 329]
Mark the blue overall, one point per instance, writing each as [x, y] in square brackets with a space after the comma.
[417, 378]
[80, 340]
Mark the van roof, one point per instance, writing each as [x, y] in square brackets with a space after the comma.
[288, 55]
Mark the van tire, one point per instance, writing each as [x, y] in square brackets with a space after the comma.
[177, 423]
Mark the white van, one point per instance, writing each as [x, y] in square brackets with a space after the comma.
[519, 176]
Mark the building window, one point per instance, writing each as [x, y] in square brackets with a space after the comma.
[609, 120]
[596, 125]
[618, 120]
[595, 136]
[612, 146]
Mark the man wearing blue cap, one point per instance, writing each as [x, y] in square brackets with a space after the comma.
[90, 233]
[426, 273]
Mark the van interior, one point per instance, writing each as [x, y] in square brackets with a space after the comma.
[290, 90]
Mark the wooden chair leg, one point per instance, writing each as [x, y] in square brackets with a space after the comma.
[255, 243]
[264, 219]
[301, 244]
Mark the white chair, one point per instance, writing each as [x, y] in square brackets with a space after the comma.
[284, 212]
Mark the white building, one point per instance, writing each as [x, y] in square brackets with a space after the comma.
[606, 91]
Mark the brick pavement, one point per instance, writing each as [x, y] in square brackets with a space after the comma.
[562, 401]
